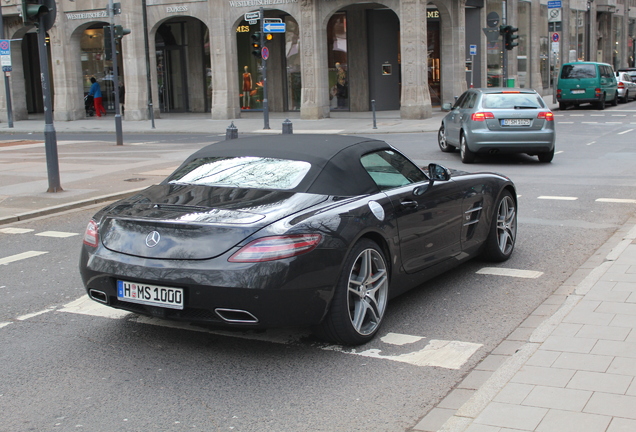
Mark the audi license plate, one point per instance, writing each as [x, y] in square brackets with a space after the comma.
[150, 294]
[515, 122]
[578, 91]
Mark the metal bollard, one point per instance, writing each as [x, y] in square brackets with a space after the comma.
[375, 125]
[231, 132]
[288, 128]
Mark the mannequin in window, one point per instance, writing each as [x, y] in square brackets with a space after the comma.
[247, 88]
[341, 85]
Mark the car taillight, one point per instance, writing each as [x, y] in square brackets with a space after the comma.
[621, 85]
[276, 247]
[91, 235]
[546, 115]
[597, 92]
[481, 116]
[559, 91]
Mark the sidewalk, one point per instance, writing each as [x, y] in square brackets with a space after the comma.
[569, 367]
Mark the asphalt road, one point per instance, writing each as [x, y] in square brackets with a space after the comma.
[67, 366]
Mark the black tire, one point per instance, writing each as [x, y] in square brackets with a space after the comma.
[600, 105]
[503, 230]
[563, 106]
[615, 100]
[626, 98]
[546, 156]
[360, 297]
[466, 154]
[442, 141]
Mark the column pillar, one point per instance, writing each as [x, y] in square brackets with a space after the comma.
[415, 98]
[313, 62]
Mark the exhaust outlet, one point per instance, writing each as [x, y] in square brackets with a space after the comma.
[98, 296]
[236, 316]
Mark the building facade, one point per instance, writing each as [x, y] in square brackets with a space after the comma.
[406, 55]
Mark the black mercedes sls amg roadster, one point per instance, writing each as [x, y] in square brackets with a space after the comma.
[302, 230]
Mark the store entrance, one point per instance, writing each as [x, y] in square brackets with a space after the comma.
[183, 62]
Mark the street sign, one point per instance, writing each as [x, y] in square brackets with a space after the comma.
[265, 53]
[554, 15]
[5, 55]
[553, 4]
[492, 34]
[473, 50]
[555, 37]
[5, 47]
[274, 27]
[252, 16]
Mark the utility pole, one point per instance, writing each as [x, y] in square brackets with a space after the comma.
[7, 87]
[118, 128]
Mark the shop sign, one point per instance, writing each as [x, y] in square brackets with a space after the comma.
[87, 15]
[253, 3]
[173, 9]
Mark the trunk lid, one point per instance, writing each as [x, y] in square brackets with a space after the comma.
[182, 222]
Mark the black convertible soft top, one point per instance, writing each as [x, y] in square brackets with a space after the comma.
[335, 159]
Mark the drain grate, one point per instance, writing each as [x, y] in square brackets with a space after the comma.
[136, 179]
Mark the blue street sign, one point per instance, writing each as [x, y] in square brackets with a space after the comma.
[5, 47]
[473, 50]
[553, 4]
[274, 27]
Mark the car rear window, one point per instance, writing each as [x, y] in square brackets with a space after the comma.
[578, 71]
[512, 100]
[246, 172]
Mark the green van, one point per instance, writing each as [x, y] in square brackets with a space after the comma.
[587, 82]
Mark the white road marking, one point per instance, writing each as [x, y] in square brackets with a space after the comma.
[559, 152]
[597, 115]
[619, 115]
[589, 122]
[86, 306]
[617, 200]
[438, 353]
[565, 122]
[624, 132]
[577, 115]
[591, 142]
[563, 198]
[15, 230]
[498, 271]
[4, 324]
[400, 339]
[34, 314]
[56, 234]
[20, 256]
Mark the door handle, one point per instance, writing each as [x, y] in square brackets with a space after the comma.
[409, 204]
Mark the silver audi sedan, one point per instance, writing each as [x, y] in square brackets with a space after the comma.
[498, 120]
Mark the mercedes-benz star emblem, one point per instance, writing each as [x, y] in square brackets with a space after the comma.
[152, 239]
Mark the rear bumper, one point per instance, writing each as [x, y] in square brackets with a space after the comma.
[488, 141]
[277, 293]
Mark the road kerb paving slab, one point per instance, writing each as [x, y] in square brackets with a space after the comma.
[570, 374]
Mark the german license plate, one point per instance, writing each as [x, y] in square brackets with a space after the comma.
[578, 91]
[515, 122]
[152, 295]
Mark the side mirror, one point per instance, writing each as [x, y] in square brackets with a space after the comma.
[447, 106]
[438, 172]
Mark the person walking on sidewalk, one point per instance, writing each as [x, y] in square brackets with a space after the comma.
[96, 92]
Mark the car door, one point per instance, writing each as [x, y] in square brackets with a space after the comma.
[427, 214]
[453, 123]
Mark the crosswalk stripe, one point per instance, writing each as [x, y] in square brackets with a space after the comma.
[617, 200]
[56, 234]
[20, 256]
[564, 198]
[498, 271]
[15, 230]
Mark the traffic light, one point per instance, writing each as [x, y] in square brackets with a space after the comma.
[509, 36]
[32, 10]
[256, 44]
[120, 32]
[108, 46]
